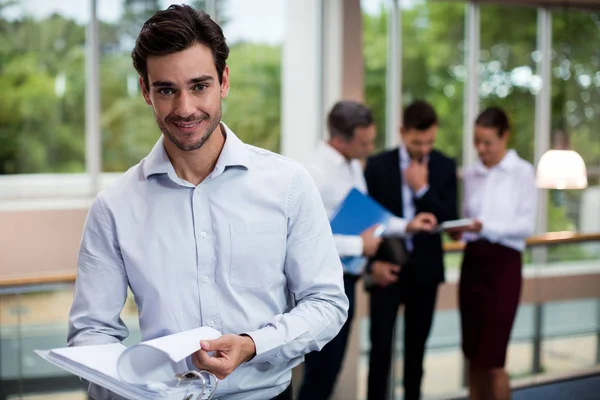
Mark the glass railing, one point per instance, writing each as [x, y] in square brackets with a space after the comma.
[34, 316]
[557, 329]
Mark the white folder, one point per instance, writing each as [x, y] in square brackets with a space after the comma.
[147, 370]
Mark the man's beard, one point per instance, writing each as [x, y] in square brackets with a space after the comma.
[212, 125]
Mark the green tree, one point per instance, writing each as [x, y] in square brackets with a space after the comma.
[42, 120]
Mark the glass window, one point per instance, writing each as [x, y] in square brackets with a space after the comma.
[433, 65]
[575, 113]
[42, 74]
[127, 124]
[255, 32]
[507, 69]
[576, 125]
[374, 19]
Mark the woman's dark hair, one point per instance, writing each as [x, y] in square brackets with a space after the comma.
[419, 115]
[346, 116]
[176, 29]
[494, 117]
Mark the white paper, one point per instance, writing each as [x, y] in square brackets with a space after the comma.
[457, 223]
[143, 371]
[158, 360]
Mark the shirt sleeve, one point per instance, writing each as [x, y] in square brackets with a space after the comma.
[100, 286]
[396, 227]
[348, 245]
[314, 277]
[523, 225]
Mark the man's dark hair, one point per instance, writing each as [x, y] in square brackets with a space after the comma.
[419, 115]
[346, 116]
[494, 117]
[175, 29]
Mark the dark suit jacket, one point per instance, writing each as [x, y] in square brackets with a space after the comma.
[384, 182]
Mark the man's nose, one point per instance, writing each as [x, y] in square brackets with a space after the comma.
[184, 105]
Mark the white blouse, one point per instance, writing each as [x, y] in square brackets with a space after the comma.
[503, 198]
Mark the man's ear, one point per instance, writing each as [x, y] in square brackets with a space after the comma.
[145, 91]
[225, 82]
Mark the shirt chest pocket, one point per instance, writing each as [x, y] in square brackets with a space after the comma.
[257, 255]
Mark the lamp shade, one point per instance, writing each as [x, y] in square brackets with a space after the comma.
[561, 169]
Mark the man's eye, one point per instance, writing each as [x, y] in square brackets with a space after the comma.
[200, 87]
[165, 91]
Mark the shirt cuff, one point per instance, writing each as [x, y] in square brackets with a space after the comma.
[263, 343]
[348, 245]
[395, 227]
[421, 192]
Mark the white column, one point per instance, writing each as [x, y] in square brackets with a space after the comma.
[543, 117]
[393, 93]
[543, 109]
[332, 55]
[93, 150]
[471, 93]
[302, 101]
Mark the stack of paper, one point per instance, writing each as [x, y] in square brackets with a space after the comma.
[145, 371]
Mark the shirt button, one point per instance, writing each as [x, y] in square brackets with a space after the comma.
[203, 234]
[211, 323]
[205, 279]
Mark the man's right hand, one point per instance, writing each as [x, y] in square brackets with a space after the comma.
[370, 242]
[384, 273]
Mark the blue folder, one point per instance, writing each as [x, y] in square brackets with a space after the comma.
[356, 213]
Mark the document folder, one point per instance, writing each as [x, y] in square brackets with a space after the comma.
[154, 369]
[356, 213]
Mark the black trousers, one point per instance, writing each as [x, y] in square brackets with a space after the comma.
[321, 368]
[419, 304]
[287, 394]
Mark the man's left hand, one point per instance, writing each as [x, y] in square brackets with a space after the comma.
[416, 175]
[423, 221]
[229, 352]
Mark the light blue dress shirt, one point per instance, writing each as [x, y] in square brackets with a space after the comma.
[248, 250]
[408, 196]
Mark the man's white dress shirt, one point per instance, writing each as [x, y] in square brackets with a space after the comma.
[335, 176]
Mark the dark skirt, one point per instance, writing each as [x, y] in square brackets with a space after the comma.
[490, 288]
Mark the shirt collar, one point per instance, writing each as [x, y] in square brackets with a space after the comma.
[234, 154]
[330, 154]
[405, 157]
[506, 164]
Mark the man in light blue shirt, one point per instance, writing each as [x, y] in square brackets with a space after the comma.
[209, 231]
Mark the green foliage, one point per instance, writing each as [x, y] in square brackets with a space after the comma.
[42, 73]
[253, 107]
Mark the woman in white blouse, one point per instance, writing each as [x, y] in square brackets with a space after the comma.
[499, 193]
